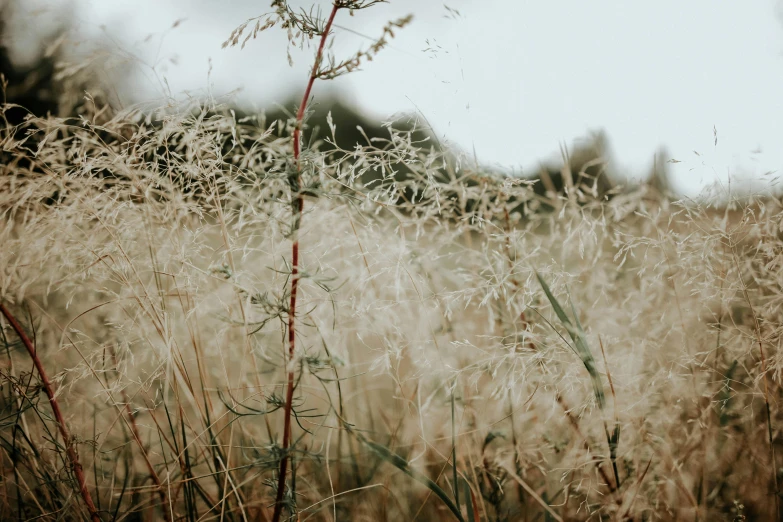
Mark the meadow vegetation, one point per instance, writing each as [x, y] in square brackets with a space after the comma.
[213, 317]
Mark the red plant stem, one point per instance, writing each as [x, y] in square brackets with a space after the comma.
[137, 437]
[70, 448]
[289, 396]
[153, 474]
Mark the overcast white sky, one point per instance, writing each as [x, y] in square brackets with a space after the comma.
[512, 78]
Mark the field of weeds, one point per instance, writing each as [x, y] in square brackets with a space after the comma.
[212, 318]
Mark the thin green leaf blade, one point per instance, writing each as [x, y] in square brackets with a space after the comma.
[469, 502]
[556, 306]
[403, 465]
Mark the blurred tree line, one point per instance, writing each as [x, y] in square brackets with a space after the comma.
[38, 89]
[26, 89]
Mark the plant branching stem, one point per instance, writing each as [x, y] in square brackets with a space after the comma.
[70, 446]
[297, 214]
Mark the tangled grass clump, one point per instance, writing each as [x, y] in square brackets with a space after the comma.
[235, 323]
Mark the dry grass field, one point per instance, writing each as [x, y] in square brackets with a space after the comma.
[204, 318]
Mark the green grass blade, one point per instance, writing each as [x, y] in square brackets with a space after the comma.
[579, 337]
[556, 306]
[469, 503]
[402, 464]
